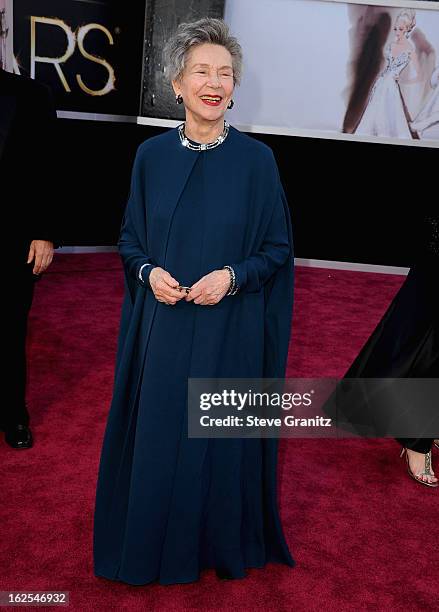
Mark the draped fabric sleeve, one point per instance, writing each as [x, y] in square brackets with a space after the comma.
[254, 271]
[133, 230]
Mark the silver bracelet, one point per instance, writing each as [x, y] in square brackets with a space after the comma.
[233, 286]
[140, 271]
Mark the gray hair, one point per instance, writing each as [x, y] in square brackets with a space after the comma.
[188, 35]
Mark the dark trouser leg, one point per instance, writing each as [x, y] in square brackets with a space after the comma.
[420, 445]
[21, 285]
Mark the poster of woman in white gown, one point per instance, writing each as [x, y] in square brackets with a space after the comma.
[386, 113]
[391, 70]
[330, 69]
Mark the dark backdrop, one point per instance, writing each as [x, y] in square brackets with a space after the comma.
[98, 62]
[349, 201]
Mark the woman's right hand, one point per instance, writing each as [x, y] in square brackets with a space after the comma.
[164, 286]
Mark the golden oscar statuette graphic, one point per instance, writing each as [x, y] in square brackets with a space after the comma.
[73, 38]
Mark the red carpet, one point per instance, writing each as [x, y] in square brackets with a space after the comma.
[363, 534]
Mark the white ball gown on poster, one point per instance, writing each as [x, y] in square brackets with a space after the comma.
[385, 114]
[429, 115]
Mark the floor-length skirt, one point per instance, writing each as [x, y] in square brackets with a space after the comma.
[385, 114]
[404, 344]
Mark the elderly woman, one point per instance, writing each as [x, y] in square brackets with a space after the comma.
[207, 251]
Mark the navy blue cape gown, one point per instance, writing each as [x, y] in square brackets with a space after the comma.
[168, 506]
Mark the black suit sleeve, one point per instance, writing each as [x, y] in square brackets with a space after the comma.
[45, 155]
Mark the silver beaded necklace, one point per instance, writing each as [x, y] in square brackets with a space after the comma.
[204, 145]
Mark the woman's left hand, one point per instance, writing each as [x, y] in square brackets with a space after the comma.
[210, 289]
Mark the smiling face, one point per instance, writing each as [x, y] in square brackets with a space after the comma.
[206, 84]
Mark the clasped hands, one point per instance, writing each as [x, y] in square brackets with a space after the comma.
[209, 290]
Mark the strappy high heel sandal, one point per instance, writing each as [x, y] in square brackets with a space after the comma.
[426, 472]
